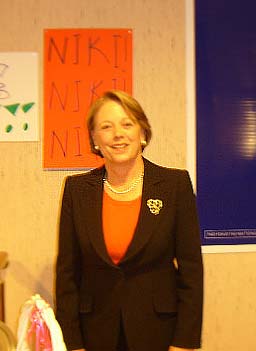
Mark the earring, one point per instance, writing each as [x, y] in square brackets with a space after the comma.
[143, 143]
[96, 147]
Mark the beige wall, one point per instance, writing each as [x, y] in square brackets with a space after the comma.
[29, 196]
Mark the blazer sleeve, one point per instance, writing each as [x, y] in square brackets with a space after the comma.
[68, 268]
[190, 268]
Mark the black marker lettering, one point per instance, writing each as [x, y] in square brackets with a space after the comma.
[76, 109]
[63, 102]
[116, 37]
[92, 46]
[78, 144]
[77, 47]
[64, 148]
[93, 88]
[61, 55]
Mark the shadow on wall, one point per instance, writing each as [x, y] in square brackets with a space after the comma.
[40, 284]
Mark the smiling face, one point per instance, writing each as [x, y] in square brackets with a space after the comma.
[117, 134]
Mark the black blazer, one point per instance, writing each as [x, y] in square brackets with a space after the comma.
[159, 304]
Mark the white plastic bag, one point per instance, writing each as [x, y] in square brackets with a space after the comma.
[38, 329]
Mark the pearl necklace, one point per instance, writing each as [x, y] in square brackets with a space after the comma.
[131, 187]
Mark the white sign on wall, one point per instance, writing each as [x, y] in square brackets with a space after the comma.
[19, 96]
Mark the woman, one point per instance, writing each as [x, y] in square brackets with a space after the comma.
[129, 268]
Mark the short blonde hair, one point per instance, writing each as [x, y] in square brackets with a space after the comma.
[131, 107]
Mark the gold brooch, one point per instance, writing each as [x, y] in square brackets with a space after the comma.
[155, 205]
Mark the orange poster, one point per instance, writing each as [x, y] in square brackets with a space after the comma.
[79, 65]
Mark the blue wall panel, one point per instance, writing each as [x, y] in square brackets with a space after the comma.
[226, 120]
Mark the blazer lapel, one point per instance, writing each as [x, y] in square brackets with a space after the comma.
[93, 214]
[147, 222]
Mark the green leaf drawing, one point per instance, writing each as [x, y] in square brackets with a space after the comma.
[12, 108]
[25, 126]
[8, 128]
[27, 107]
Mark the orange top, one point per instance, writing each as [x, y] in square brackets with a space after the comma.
[119, 223]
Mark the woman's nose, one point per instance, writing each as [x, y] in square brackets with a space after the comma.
[118, 131]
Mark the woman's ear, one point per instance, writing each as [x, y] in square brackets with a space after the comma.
[143, 137]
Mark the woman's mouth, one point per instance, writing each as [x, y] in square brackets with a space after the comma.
[119, 146]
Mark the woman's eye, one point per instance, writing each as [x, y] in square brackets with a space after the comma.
[128, 124]
[105, 126]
